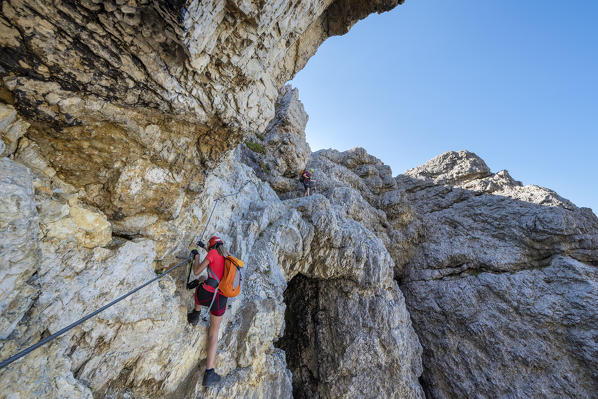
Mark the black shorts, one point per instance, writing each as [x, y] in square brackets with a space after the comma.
[306, 184]
[203, 297]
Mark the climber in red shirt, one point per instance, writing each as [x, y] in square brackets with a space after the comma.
[204, 294]
[306, 179]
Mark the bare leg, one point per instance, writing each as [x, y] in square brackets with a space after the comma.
[213, 340]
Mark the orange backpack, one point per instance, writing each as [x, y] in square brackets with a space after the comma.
[230, 284]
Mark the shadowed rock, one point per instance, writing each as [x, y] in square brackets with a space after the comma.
[502, 285]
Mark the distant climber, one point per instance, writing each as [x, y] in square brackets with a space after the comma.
[306, 178]
[204, 296]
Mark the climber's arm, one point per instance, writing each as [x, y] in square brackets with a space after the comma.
[199, 267]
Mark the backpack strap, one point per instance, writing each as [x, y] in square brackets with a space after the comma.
[212, 275]
[213, 298]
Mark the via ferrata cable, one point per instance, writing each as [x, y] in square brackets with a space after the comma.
[89, 316]
[92, 314]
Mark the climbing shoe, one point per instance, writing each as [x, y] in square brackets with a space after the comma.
[193, 317]
[210, 377]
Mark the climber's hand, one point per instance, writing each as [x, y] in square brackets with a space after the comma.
[201, 244]
[192, 284]
[194, 253]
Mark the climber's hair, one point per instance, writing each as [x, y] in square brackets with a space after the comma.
[221, 249]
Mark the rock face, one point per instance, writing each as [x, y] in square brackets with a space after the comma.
[201, 59]
[279, 155]
[119, 121]
[122, 124]
[12, 128]
[19, 235]
[502, 288]
[279, 239]
[127, 95]
[343, 341]
[132, 102]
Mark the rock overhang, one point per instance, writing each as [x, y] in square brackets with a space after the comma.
[173, 85]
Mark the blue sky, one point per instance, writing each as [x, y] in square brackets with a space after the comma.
[514, 81]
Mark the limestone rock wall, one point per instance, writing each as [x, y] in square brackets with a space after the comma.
[144, 346]
[372, 198]
[500, 278]
[502, 286]
[123, 122]
[279, 154]
[513, 288]
[344, 341]
[203, 60]
[19, 235]
[128, 95]
[118, 119]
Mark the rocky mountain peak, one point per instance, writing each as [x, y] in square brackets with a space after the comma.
[453, 167]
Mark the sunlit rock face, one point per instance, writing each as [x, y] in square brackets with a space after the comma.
[138, 93]
[119, 122]
[19, 235]
[133, 102]
[123, 122]
[281, 152]
[144, 347]
[500, 279]
[201, 60]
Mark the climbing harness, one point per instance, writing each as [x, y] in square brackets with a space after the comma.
[191, 285]
[89, 316]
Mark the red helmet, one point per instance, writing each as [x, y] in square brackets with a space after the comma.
[213, 241]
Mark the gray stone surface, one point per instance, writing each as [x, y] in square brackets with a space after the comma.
[207, 73]
[123, 120]
[502, 287]
[499, 282]
[145, 347]
[12, 128]
[285, 149]
[134, 102]
[19, 252]
[345, 342]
